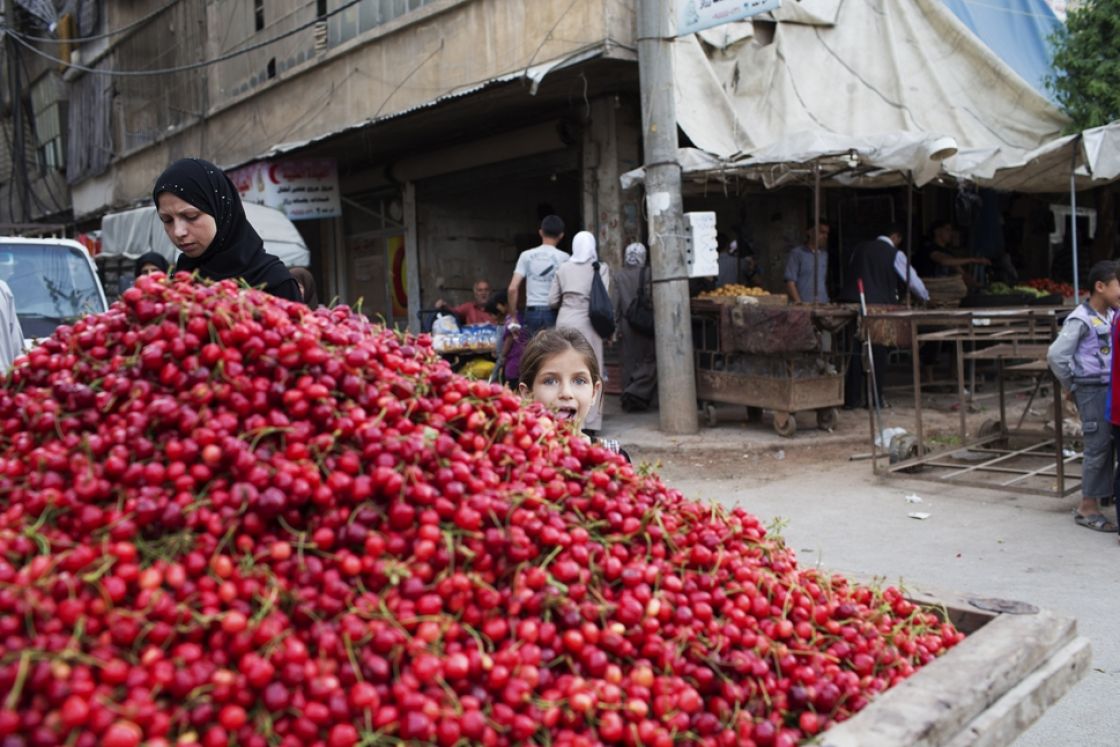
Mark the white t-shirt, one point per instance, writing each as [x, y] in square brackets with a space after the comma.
[538, 266]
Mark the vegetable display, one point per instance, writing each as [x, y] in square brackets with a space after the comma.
[227, 519]
[1048, 287]
[1003, 289]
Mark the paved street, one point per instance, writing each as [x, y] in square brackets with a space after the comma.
[994, 544]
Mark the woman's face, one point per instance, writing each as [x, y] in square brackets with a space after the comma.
[189, 228]
[564, 385]
[149, 268]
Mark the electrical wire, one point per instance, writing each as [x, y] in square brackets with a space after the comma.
[11, 184]
[45, 176]
[182, 68]
[106, 35]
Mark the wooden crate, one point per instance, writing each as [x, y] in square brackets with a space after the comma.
[784, 394]
[986, 691]
[946, 292]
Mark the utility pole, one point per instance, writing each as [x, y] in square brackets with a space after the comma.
[676, 372]
[19, 154]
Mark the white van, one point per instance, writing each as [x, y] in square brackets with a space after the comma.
[54, 282]
[138, 231]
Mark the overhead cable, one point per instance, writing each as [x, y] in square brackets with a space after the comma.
[181, 68]
[96, 37]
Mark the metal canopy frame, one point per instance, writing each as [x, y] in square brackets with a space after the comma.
[1015, 340]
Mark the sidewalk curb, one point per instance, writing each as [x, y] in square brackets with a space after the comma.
[657, 443]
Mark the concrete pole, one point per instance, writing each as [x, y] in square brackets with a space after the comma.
[909, 230]
[20, 176]
[1073, 223]
[676, 374]
[817, 248]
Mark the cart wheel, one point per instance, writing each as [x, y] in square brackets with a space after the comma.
[903, 447]
[785, 424]
[710, 414]
[989, 427]
[754, 414]
[826, 418]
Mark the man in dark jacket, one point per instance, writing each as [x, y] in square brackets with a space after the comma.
[882, 267]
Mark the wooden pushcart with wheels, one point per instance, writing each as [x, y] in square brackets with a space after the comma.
[769, 358]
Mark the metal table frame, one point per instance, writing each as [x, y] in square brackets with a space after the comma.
[1016, 340]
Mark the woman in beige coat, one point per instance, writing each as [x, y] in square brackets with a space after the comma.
[571, 293]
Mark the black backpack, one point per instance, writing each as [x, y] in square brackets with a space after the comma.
[600, 309]
[640, 311]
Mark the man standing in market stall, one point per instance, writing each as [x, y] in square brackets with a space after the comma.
[807, 267]
[473, 311]
[882, 267]
[940, 257]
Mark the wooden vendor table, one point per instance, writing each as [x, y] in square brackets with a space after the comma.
[1016, 340]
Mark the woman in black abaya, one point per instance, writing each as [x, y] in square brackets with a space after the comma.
[203, 216]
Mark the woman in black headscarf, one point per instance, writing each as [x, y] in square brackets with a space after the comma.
[203, 216]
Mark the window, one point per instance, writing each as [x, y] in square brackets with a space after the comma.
[320, 8]
[258, 14]
[271, 69]
[53, 284]
[369, 14]
[48, 110]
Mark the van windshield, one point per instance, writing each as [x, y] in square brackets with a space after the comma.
[53, 284]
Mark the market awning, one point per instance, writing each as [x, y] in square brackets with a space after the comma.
[1092, 157]
[533, 76]
[884, 160]
[880, 78]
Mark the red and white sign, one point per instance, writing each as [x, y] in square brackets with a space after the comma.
[303, 188]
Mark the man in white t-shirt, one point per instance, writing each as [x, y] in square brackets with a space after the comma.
[536, 267]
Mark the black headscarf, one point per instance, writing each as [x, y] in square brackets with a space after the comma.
[236, 251]
[152, 258]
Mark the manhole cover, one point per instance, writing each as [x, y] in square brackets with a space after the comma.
[1004, 606]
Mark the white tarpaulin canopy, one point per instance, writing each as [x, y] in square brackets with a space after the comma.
[138, 231]
[883, 79]
[1093, 156]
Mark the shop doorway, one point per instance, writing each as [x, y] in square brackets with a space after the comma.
[473, 225]
[376, 274]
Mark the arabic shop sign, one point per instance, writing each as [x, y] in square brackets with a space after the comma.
[301, 188]
[697, 15]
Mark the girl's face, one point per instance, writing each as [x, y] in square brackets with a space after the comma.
[149, 268]
[189, 228]
[564, 385]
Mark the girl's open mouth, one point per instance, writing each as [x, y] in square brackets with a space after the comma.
[566, 413]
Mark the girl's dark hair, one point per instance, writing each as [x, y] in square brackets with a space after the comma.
[151, 258]
[550, 342]
[1102, 272]
[306, 280]
[497, 298]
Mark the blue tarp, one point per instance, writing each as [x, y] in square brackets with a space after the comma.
[1016, 30]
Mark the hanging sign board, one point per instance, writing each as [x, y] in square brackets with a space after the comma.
[302, 188]
[697, 15]
[701, 252]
